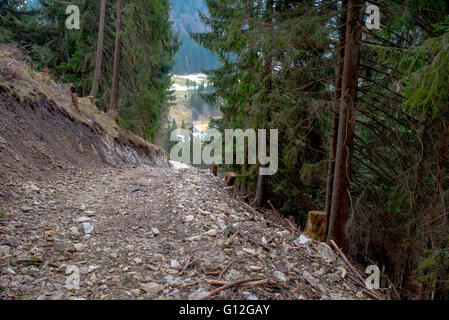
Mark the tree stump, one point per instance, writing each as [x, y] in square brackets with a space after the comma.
[92, 100]
[316, 225]
[230, 178]
[75, 101]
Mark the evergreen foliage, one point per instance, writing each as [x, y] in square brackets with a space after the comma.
[149, 47]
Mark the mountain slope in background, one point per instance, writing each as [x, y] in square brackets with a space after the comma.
[191, 58]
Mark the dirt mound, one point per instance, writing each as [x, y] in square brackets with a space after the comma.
[42, 133]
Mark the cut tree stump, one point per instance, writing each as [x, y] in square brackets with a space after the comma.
[75, 101]
[316, 225]
[230, 178]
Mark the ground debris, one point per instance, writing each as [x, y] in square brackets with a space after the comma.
[204, 238]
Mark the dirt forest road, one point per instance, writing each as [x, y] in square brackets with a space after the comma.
[154, 233]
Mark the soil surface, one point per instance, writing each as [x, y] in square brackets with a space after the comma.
[153, 233]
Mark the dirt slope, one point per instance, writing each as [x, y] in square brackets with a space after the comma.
[42, 133]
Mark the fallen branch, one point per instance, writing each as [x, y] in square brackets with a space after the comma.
[227, 267]
[346, 260]
[231, 239]
[193, 283]
[257, 242]
[230, 285]
[256, 213]
[359, 279]
[216, 282]
[293, 228]
[250, 284]
[371, 294]
[262, 283]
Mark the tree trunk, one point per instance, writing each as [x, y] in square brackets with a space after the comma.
[97, 74]
[61, 52]
[341, 189]
[261, 189]
[117, 52]
[340, 51]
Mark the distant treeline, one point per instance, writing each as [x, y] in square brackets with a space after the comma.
[193, 58]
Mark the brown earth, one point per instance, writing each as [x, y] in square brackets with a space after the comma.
[40, 138]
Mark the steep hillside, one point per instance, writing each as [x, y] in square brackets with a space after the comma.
[41, 132]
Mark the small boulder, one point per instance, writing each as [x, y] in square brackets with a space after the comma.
[26, 209]
[212, 233]
[302, 240]
[88, 228]
[310, 279]
[326, 252]
[79, 247]
[280, 276]
[11, 241]
[152, 288]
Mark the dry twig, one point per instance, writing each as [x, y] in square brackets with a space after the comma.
[230, 285]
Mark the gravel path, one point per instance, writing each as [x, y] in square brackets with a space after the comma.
[153, 233]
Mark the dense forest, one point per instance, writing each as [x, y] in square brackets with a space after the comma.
[362, 110]
[191, 57]
[363, 120]
[131, 68]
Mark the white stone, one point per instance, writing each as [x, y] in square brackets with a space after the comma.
[212, 233]
[302, 240]
[326, 252]
[74, 231]
[88, 228]
[194, 239]
[79, 247]
[174, 264]
[280, 276]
